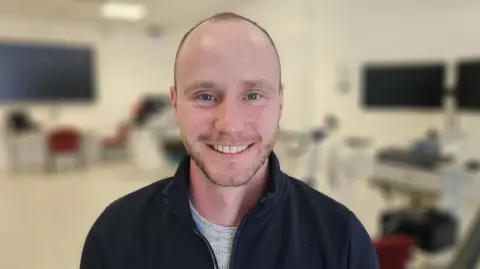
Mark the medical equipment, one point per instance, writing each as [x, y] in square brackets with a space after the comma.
[434, 178]
[347, 161]
[299, 144]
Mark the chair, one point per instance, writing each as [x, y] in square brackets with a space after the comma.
[63, 141]
[394, 252]
[117, 142]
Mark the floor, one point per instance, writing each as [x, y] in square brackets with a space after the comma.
[45, 218]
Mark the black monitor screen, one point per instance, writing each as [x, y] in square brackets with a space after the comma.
[468, 85]
[403, 86]
[31, 72]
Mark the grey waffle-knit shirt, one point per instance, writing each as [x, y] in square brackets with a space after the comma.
[219, 237]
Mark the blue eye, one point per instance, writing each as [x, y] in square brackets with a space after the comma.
[252, 96]
[206, 97]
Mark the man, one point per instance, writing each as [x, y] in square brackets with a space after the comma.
[229, 205]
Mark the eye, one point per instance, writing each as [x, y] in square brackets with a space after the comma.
[253, 96]
[206, 97]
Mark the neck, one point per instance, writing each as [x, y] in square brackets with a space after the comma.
[225, 206]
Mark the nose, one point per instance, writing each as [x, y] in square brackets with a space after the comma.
[229, 117]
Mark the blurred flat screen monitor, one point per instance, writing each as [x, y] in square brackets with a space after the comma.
[46, 73]
[468, 85]
[403, 86]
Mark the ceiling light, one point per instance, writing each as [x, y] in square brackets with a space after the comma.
[123, 11]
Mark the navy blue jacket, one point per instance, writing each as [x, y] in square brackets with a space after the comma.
[291, 226]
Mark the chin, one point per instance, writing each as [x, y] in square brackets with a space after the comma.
[231, 175]
[229, 181]
[224, 175]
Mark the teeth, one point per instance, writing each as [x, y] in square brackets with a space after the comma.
[229, 149]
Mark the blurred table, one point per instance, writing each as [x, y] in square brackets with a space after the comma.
[28, 151]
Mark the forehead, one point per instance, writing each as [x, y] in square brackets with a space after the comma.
[227, 50]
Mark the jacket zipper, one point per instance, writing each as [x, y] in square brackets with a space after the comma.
[237, 235]
[212, 254]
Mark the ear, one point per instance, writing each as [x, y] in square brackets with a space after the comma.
[173, 101]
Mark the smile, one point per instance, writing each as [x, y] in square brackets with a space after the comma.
[229, 149]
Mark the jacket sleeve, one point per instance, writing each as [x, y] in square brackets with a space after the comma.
[93, 254]
[361, 252]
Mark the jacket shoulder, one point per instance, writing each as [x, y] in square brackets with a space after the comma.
[113, 232]
[321, 217]
[334, 225]
[140, 196]
[317, 203]
[131, 207]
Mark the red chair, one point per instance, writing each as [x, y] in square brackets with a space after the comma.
[394, 252]
[118, 142]
[64, 141]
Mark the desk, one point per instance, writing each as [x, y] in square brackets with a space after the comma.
[419, 174]
[25, 151]
[28, 151]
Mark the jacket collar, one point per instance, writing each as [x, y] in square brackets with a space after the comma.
[177, 192]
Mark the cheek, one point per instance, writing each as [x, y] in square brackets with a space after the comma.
[192, 120]
[264, 120]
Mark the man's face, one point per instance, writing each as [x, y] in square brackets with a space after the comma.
[228, 100]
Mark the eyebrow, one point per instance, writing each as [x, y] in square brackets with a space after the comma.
[204, 84]
[259, 83]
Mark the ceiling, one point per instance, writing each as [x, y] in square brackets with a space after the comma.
[163, 12]
[170, 12]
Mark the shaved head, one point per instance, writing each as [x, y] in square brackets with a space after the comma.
[261, 36]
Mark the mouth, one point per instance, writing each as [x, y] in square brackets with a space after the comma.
[230, 149]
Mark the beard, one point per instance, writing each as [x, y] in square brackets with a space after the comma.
[239, 178]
